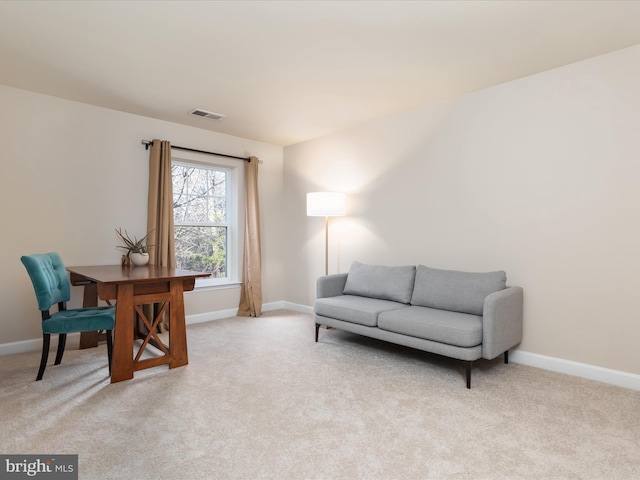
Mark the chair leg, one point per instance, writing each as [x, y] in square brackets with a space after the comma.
[469, 364]
[62, 341]
[46, 340]
[109, 336]
[506, 356]
[317, 330]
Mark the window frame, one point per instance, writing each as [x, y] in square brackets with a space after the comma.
[234, 197]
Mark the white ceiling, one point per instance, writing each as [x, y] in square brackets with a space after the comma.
[287, 71]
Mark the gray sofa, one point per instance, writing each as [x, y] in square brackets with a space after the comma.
[462, 315]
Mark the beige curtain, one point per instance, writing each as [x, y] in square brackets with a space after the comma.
[251, 293]
[160, 214]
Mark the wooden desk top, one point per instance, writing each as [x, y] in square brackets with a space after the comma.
[117, 274]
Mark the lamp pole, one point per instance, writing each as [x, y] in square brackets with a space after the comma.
[325, 204]
[326, 245]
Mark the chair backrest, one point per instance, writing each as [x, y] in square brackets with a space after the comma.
[49, 277]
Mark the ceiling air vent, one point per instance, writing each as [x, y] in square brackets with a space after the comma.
[203, 113]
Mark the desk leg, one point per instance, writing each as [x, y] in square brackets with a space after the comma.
[122, 367]
[89, 299]
[177, 327]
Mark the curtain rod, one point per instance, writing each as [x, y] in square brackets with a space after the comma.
[147, 143]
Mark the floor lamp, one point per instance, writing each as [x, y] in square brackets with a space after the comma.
[326, 204]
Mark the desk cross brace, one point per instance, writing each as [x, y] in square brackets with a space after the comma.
[151, 331]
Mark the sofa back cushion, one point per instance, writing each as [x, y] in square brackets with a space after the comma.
[456, 291]
[377, 281]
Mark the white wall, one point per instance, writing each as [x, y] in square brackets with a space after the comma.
[72, 173]
[539, 177]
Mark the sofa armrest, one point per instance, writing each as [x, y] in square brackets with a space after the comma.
[331, 285]
[501, 321]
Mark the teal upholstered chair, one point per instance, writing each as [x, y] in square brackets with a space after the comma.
[51, 284]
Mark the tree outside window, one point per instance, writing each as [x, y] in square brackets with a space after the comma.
[200, 204]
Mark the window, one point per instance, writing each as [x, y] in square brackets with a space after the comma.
[204, 201]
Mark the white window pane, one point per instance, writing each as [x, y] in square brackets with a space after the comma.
[200, 198]
[218, 212]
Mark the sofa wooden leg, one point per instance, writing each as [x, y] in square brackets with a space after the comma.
[469, 374]
[506, 356]
[317, 330]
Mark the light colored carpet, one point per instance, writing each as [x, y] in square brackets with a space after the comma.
[260, 399]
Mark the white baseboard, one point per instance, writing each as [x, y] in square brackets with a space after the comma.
[209, 316]
[267, 307]
[296, 307]
[35, 345]
[231, 312]
[591, 372]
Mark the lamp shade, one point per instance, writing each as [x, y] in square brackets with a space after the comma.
[326, 204]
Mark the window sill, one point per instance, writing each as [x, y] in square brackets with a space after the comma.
[203, 285]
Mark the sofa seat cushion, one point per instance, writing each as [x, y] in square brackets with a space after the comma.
[456, 291]
[452, 328]
[382, 282]
[354, 309]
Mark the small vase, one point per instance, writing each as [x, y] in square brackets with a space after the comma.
[139, 259]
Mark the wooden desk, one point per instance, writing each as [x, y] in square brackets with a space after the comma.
[133, 287]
